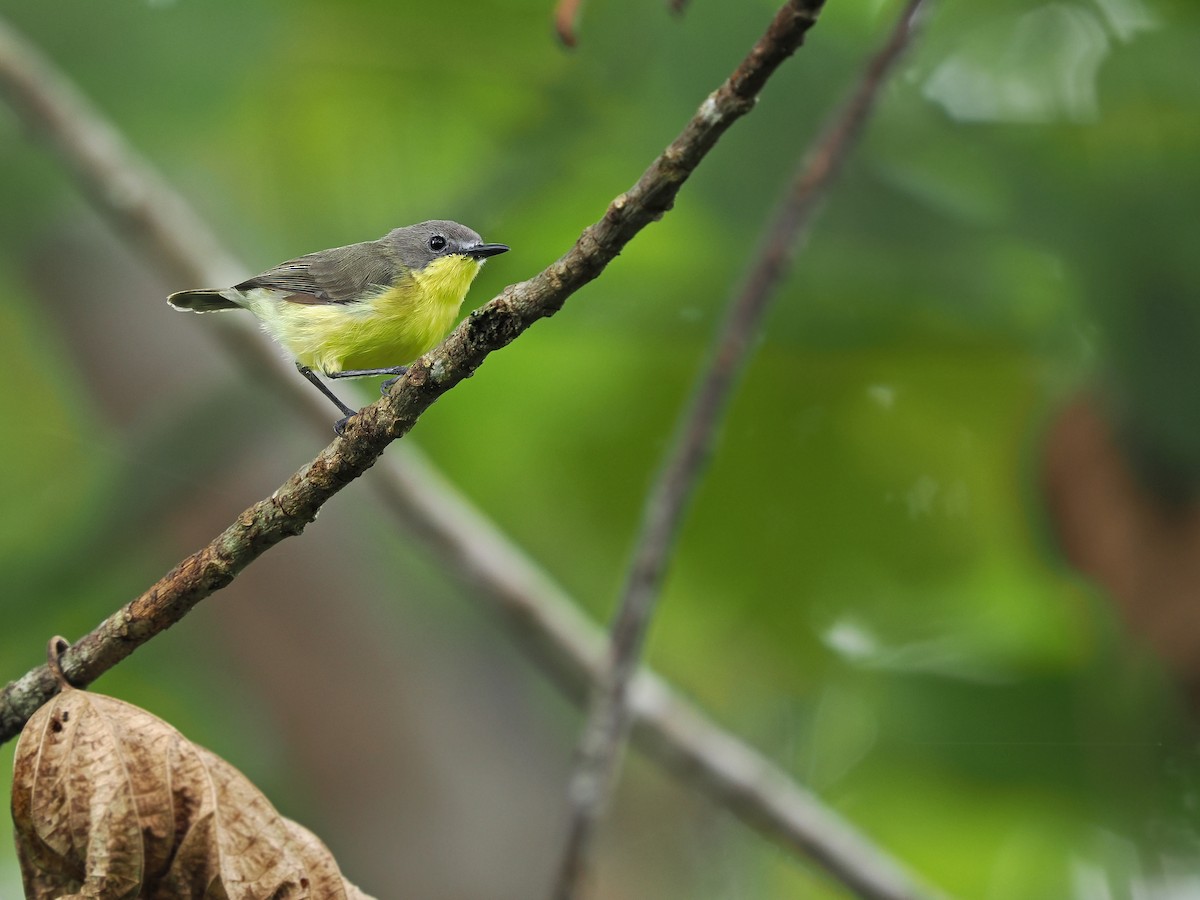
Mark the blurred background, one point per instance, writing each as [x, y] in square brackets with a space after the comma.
[945, 566]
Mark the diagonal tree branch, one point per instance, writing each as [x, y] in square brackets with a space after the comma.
[131, 194]
[609, 716]
[491, 327]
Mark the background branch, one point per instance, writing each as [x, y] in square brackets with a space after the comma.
[138, 201]
[607, 725]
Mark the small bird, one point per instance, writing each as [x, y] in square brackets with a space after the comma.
[360, 310]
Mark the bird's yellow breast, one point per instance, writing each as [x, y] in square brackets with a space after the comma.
[389, 328]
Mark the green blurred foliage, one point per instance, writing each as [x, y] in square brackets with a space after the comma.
[864, 588]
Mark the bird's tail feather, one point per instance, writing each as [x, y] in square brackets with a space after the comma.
[201, 301]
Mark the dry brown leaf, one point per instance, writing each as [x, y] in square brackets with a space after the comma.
[112, 803]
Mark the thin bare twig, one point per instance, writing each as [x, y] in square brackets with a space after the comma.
[608, 720]
[128, 191]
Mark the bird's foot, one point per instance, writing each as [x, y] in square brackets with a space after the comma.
[387, 385]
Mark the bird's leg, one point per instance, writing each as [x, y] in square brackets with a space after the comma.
[340, 425]
[397, 371]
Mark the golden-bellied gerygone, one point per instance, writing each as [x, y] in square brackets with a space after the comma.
[359, 310]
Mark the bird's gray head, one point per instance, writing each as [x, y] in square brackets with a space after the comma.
[418, 245]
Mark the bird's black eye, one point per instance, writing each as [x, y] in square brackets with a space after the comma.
[437, 243]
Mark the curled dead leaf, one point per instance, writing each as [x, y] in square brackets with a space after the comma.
[112, 803]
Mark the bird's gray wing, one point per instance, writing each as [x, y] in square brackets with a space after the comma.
[340, 275]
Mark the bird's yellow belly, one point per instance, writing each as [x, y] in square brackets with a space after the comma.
[390, 329]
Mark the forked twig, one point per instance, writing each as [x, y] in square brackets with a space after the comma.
[608, 720]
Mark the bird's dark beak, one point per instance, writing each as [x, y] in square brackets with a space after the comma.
[483, 251]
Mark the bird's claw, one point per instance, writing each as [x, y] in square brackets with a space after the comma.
[339, 427]
[387, 385]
